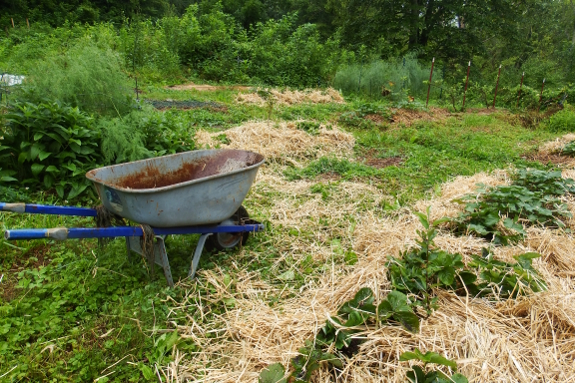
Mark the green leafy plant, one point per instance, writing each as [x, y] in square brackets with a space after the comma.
[339, 330]
[419, 270]
[309, 127]
[418, 374]
[504, 279]
[569, 149]
[48, 146]
[532, 199]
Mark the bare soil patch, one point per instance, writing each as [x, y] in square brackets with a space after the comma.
[186, 105]
[371, 159]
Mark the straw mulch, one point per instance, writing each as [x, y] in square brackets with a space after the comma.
[282, 141]
[291, 97]
[551, 152]
[530, 339]
[408, 117]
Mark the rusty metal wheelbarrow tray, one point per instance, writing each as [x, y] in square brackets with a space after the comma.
[200, 187]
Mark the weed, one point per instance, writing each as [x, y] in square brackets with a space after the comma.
[563, 121]
[326, 165]
[309, 127]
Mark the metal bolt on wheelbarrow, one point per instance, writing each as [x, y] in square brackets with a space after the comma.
[197, 192]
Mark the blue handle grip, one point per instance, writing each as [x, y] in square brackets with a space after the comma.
[62, 233]
[47, 209]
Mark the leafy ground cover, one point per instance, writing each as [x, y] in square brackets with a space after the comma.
[74, 312]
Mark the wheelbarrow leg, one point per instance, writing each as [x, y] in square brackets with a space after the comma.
[160, 252]
[198, 255]
[160, 255]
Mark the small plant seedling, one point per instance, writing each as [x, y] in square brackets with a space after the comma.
[418, 374]
[309, 127]
[569, 149]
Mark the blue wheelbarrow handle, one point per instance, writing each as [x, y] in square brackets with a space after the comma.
[62, 233]
[47, 209]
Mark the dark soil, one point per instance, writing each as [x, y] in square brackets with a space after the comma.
[186, 105]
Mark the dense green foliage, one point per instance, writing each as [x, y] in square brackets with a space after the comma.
[85, 76]
[301, 44]
[501, 213]
[49, 146]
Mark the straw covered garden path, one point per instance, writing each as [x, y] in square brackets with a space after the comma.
[332, 223]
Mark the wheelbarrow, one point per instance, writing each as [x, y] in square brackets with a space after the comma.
[197, 192]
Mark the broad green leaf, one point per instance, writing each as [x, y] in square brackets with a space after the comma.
[76, 191]
[36, 169]
[423, 219]
[398, 300]
[172, 339]
[438, 359]
[43, 155]
[447, 276]
[147, 372]
[458, 378]
[274, 373]
[60, 191]
[35, 150]
[408, 320]
[7, 179]
[408, 355]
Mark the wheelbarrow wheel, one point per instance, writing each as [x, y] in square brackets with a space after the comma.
[225, 241]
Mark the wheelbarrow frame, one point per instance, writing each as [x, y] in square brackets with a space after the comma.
[133, 234]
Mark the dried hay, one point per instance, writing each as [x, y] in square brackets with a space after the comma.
[551, 152]
[282, 141]
[291, 97]
[408, 117]
[205, 87]
[530, 339]
[556, 145]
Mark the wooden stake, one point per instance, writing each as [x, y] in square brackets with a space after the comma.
[429, 85]
[466, 82]
[496, 86]
[520, 86]
[27, 23]
[12, 22]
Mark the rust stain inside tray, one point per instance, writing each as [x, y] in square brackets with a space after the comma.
[153, 175]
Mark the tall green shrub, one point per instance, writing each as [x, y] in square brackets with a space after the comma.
[394, 77]
[85, 76]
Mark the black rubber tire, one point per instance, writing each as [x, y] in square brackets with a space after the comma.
[223, 241]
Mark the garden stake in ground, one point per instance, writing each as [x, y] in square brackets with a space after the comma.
[197, 192]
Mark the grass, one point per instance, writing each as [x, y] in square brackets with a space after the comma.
[73, 312]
